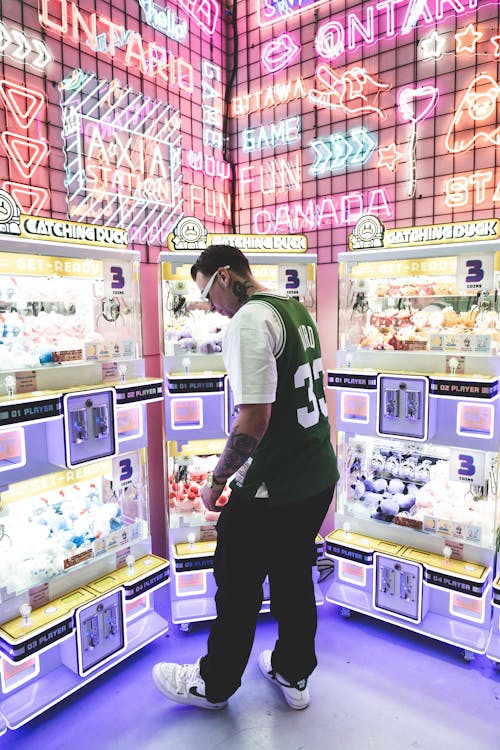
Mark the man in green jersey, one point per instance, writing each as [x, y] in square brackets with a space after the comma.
[281, 457]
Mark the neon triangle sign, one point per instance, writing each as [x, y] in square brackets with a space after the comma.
[26, 153]
[32, 199]
[24, 104]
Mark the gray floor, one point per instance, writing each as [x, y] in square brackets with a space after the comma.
[376, 687]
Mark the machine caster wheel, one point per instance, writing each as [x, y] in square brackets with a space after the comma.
[468, 655]
[185, 627]
[345, 612]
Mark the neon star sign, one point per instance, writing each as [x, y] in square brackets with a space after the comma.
[432, 47]
[389, 156]
[467, 40]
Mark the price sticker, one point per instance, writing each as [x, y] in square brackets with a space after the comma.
[475, 272]
[467, 466]
[292, 280]
[117, 277]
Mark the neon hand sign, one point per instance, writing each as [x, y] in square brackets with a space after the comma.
[354, 91]
[476, 116]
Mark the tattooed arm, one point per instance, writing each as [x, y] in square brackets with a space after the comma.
[248, 430]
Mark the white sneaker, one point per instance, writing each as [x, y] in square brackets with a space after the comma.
[297, 695]
[183, 683]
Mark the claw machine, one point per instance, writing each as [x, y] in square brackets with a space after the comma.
[199, 408]
[77, 574]
[418, 434]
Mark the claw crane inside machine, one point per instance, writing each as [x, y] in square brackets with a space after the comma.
[199, 407]
[416, 382]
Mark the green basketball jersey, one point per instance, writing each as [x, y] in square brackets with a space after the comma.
[295, 458]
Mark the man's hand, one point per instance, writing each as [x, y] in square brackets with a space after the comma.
[210, 495]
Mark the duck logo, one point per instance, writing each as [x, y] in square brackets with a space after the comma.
[477, 116]
[9, 214]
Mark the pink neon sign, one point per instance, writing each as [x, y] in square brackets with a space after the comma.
[467, 40]
[205, 13]
[279, 53]
[151, 59]
[354, 91]
[338, 210]
[477, 116]
[386, 18]
[273, 11]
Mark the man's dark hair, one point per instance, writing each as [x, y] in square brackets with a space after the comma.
[216, 256]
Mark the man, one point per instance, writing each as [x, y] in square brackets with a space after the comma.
[285, 471]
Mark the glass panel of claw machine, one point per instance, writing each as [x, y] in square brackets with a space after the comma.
[199, 410]
[75, 544]
[417, 511]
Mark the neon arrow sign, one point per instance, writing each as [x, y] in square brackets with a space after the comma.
[342, 150]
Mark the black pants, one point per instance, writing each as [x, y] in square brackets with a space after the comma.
[254, 540]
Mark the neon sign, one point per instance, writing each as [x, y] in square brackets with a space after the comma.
[432, 47]
[123, 157]
[100, 33]
[476, 116]
[467, 40]
[354, 91]
[415, 105]
[342, 150]
[269, 136]
[209, 203]
[15, 44]
[279, 53]
[387, 18]
[164, 19]
[26, 153]
[478, 187]
[272, 176]
[271, 11]
[23, 106]
[211, 76]
[279, 93]
[333, 210]
[209, 165]
[204, 13]
[388, 156]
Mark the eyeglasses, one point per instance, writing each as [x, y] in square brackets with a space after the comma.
[210, 283]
